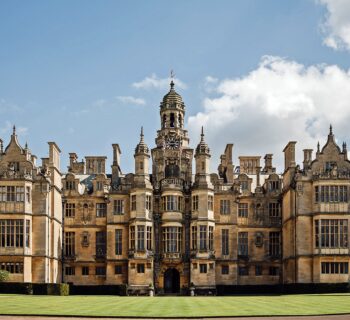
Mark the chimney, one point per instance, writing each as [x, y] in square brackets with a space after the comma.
[268, 163]
[289, 155]
[116, 172]
[307, 158]
[72, 158]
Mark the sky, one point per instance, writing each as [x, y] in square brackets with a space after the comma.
[254, 73]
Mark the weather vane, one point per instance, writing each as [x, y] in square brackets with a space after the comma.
[172, 74]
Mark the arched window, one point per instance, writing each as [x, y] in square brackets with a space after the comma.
[172, 120]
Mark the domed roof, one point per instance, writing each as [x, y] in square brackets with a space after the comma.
[172, 99]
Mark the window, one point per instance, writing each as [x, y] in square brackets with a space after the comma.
[243, 210]
[274, 271]
[331, 233]
[100, 244]
[210, 203]
[27, 236]
[119, 241]
[224, 242]
[172, 239]
[211, 238]
[69, 271]
[194, 238]
[12, 194]
[85, 239]
[118, 269]
[70, 185]
[140, 268]
[243, 243]
[84, 271]
[3, 194]
[243, 271]
[224, 269]
[99, 185]
[149, 238]
[172, 203]
[141, 238]
[12, 267]
[195, 203]
[244, 185]
[101, 210]
[132, 237]
[258, 270]
[69, 244]
[70, 210]
[118, 207]
[330, 165]
[274, 244]
[331, 194]
[225, 206]
[11, 233]
[203, 238]
[14, 166]
[203, 268]
[148, 202]
[335, 267]
[100, 271]
[274, 185]
[19, 194]
[133, 202]
[274, 209]
[141, 165]
[28, 194]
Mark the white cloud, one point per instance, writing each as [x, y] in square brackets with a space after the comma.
[281, 100]
[131, 100]
[154, 82]
[336, 24]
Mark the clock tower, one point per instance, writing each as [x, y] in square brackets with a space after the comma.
[172, 178]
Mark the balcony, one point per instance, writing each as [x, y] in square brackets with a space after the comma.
[172, 183]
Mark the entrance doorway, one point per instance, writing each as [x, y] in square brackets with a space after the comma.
[171, 281]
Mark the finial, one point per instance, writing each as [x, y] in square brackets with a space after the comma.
[202, 134]
[26, 145]
[172, 76]
[14, 129]
[330, 129]
[141, 135]
[344, 146]
[318, 146]
[1, 146]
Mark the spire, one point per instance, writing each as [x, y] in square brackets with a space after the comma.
[330, 129]
[26, 146]
[318, 147]
[202, 146]
[172, 76]
[14, 130]
[142, 146]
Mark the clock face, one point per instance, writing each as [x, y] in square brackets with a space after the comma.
[172, 143]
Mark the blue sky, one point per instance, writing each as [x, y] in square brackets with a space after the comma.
[87, 74]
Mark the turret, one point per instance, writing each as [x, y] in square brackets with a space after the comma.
[202, 156]
[141, 156]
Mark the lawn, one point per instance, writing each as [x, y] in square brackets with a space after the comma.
[175, 306]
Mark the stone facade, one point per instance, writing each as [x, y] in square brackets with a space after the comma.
[178, 227]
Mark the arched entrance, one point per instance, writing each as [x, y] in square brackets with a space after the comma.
[171, 281]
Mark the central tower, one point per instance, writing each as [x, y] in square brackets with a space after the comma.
[172, 178]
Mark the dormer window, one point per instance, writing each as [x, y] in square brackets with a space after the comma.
[274, 186]
[244, 185]
[330, 165]
[14, 166]
[70, 185]
[99, 185]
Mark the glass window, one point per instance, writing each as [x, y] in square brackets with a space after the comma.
[118, 207]
[225, 242]
[224, 206]
[243, 243]
[274, 244]
[101, 210]
[119, 241]
[243, 210]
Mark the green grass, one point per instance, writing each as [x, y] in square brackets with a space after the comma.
[175, 306]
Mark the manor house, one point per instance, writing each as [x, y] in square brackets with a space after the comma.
[170, 225]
